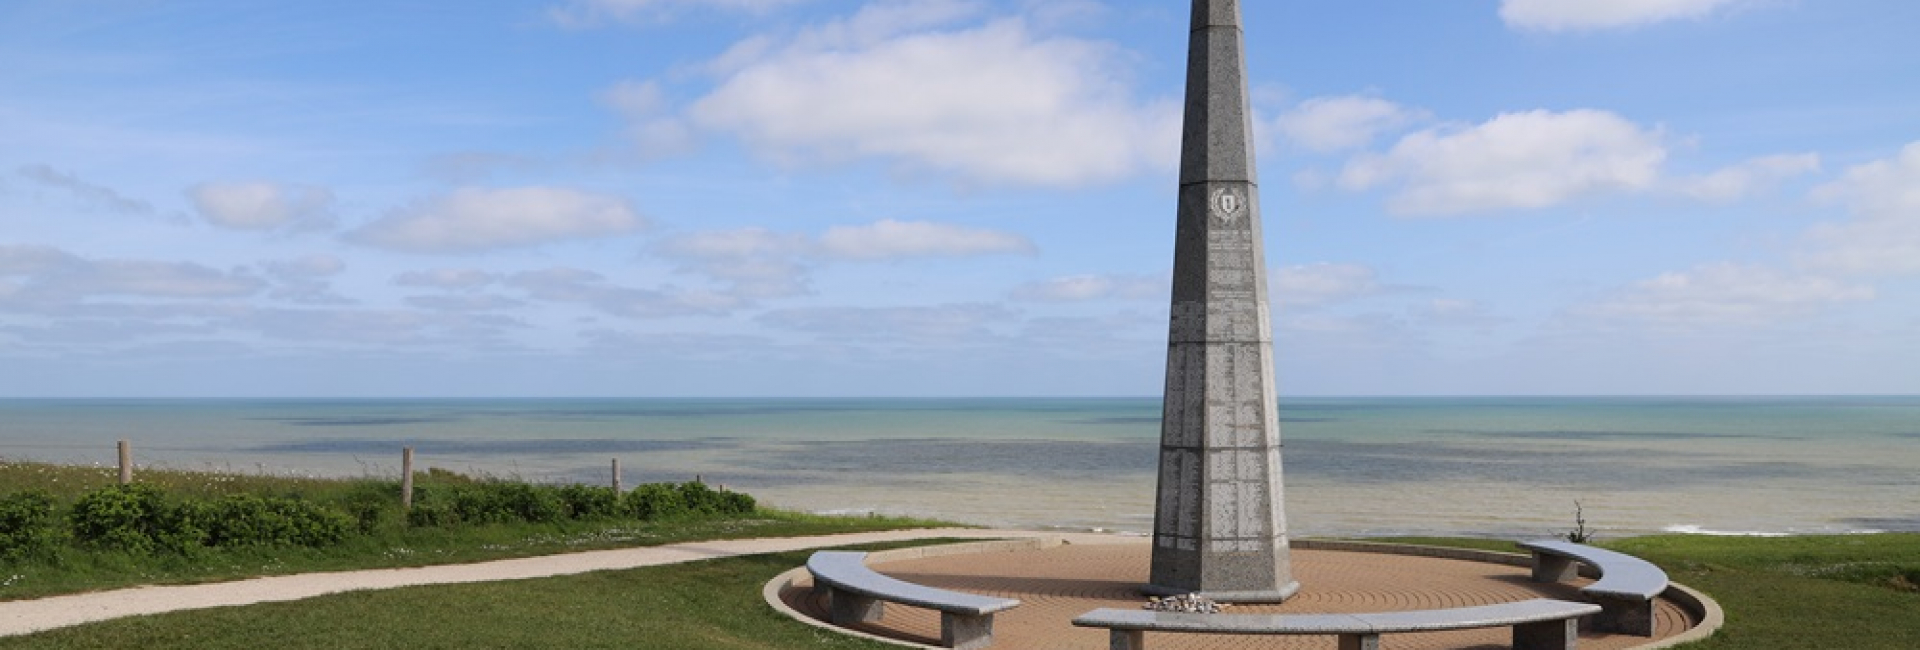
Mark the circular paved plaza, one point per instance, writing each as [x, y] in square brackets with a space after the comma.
[1056, 584]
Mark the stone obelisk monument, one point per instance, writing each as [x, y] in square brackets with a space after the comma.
[1219, 526]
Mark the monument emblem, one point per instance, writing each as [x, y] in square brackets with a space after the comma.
[1227, 205]
[1220, 527]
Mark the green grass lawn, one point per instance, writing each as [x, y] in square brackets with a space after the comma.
[1786, 593]
[1853, 591]
[714, 604]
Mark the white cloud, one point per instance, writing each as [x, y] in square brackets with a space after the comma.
[1524, 160]
[650, 126]
[1079, 288]
[757, 262]
[568, 285]
[155, 279]
[879, 21]
[263, 206]
[25, 260]
[100, 334]
[1723, 294]
[461, 290]
[1884, 236]
[936, 325]
[1747, 178]
[704, 348]
[888, 239]
[380, 328]
[1311, 285]
[98, 195]
[1347, 122]
[446, 279]
[993, 104]
[464, 302]
[735, 244]
[632, 97]
[1562, 15]
[51, 276]
[304, 279]
[587, 13]
[311, 266]
[475, 219]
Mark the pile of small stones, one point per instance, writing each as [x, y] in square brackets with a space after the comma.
[1186, 603]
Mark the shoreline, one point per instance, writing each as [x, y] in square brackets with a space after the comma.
[107, 474]
[1482, 467]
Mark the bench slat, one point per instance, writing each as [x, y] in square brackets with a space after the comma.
[1460, 618]
[1625, 590]
[848, 570]
[1621, 575]
[1140, 619]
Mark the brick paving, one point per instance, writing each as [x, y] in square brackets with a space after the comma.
[1060, 583]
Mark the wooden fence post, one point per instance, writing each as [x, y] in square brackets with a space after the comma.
[126, 462]
[406, 478]
[616, 475]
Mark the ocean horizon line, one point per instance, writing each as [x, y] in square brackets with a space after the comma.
[1362, 465]
[1282, 398]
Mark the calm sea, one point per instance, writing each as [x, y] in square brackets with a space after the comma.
[1354, 466]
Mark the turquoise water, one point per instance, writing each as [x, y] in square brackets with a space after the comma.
[1355, 466]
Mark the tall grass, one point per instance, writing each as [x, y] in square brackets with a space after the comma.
[70, 481]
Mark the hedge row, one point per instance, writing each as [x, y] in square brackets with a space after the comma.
[28, 526]
[143, 519]
[139, 518]
[478, 503]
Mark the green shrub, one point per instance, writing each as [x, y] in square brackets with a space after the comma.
[371, 504]
[28, 528]
[120, 517]
[431, 515]
[526, 502]
[487, 502]
[590, 502]
[442, 505]
[655, 501]
[664, 500]
[249, 520]
[437, 506]
[139, 518]
[186, 526]
[474, 504]
[700, 499]
[740, 503]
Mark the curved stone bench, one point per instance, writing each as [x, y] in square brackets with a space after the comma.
[1625, 590]
[1537, 624]
[857, 594]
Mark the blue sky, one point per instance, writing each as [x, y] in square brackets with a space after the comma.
[946, 197]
